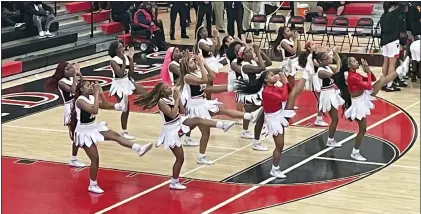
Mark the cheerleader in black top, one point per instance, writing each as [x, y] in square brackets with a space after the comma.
[65, 79]
[174, 125]
[86, 132]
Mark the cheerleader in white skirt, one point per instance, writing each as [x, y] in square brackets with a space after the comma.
[250, 71]
[289, 45]
[415, 49]
[86, 132]
[65, 79]
[174, 125]
[278, 105]
[194, 88]
[122, 67]
[358, 93]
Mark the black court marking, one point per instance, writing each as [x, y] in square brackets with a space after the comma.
[25, 161]
[320, 170]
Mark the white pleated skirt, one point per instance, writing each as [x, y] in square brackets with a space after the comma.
[316, 83]
[213, 63]
[88, 134]
[121, 87]
[201, 107]
[255, 99]
[67, 112]
[171, 133]
[361, 106]
[289, 66]
[231, 80]
[278, 121]
[328, 98]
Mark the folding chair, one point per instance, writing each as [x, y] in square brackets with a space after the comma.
[339, 22]
[257, 19]
[275, 19]
[363, 29]
[318, 26]
[297, 20]
[376, 36]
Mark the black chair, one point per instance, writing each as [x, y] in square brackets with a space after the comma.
[257, 19]
[340, 27]
[298, 22]
[363, 29]
[376, 37]
[321, 23]
[280, 20]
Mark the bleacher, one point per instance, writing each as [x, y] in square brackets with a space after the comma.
[23, 51]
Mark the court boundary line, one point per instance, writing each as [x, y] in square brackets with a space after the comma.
[350, 161]
[241, 194]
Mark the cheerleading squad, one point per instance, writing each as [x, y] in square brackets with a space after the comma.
[265, 96]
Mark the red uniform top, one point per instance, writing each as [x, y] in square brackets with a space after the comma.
[357, 82]
[272, 98]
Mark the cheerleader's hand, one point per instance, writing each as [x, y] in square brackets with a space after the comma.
[96, 88]
[198, 59]
[365, 66]
[296, 35]
[256, 48]
[175, 93]
[283, 78]
[215, 33]
[131, 52]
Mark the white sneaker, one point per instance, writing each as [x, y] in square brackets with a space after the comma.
[95, 189]
[259, 147]
[48, 34]
[18, 25]
[190, 142]
[333, 143]
[77, 163]
[295, 107]
[204, 160]
[228, 125]
[321, 123]
[357, 156]
[277, 173]
[144, 149]
[256, 114]
[177, 186]
[246, 134]
[127, 136]
[41, 34]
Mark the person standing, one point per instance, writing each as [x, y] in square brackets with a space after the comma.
[180, 7]
[218, 9]
[205, 8]
[251, 8]
[234, 14]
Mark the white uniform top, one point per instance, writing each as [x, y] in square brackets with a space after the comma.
[84, 117]
[290, 43]
[208, 42]
[245, 75]
[67, 96]
[171, 73]
[120, 62]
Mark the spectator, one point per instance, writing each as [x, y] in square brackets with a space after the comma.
[251, 8]
[36, 14]
[234, 14]
[218, 9]
[205, 8]
[181, 8]
[101, 5]
[322, 6]
[6, 21]
[145, 17]
[122, 11]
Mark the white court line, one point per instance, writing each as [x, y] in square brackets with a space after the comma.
[304, 119]
[302, 162]
[351, 161]
[65, 131]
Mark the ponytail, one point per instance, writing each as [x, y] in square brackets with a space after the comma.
[250, 86]
[340, 82]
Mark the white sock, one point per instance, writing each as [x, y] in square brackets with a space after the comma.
[354, 150]
[201, 155]
[248, 116]
[174, 180]
[219, 124]
[319, 118]
[389, 85]
[255, 142]
[330, 139]
[124, 131]
[118, 107]
[136, 147]
[275, 167]
[92, 183]
[73, 158]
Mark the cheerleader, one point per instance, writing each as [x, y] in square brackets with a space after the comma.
[358, 91]
[329, 100]
[170, 73]
[307, 63]
[250, 71]
[174, 125]
[278, 108]
[86, 132]
[122, 67]
[416, 60]
[194, 87]
[65, 79]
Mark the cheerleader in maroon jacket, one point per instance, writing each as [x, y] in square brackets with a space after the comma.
[358, 91]
[278, 107]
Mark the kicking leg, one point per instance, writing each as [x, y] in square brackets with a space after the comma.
[114, 136]
[196, 121]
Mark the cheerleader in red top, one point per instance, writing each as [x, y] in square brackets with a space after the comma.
[278, 107]
[358, 91]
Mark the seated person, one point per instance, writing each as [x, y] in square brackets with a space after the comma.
[146, 18]
[322, 6]
[37, 13]
[121, 11]
[6, 21]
